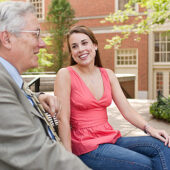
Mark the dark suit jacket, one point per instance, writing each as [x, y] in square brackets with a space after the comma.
[23, 140]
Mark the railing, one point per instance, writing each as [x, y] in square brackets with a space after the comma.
[46, 83]
[39, 73]
[36, 82]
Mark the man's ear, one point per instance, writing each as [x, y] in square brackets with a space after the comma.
[5, 39]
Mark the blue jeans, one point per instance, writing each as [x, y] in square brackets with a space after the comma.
[129, 153]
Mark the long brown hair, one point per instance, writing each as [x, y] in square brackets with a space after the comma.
[89, 33]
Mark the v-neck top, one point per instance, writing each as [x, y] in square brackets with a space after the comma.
[88, 118]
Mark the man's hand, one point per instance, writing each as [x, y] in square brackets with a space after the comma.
[50, 104]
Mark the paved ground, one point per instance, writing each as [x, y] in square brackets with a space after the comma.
[142, 107]
[127, 129]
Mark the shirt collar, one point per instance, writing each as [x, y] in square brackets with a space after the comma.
[12, 71]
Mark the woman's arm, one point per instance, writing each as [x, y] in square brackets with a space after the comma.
[62, 89]
[130, 114]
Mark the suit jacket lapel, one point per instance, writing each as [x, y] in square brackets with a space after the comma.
[24, 99]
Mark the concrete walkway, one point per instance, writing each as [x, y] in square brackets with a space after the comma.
[142, 107]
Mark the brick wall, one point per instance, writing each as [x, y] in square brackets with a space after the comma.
[100, 8]
[92, 7]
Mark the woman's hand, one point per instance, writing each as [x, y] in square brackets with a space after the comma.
[159, 134]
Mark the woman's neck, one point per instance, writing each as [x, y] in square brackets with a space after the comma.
[86, 69]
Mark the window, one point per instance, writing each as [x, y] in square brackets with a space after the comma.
[162, 47]
[169, 82]
[159, 82]
[38, 4]
[126, 57]
[121, 4]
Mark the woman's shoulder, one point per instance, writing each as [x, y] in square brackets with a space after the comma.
[63, 71]
[63, 74]
[109, 71]
[110, 74]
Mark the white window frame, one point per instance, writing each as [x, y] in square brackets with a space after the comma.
[131, 65]
[159, 82]
[43, 10]
[166, 52]
[166, 82]
[117, 2]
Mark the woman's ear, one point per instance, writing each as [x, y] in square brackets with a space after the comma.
[5, 39]
[96, 47]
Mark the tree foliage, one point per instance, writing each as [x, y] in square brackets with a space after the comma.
[44, 57]
[156, 13]
[60, 16]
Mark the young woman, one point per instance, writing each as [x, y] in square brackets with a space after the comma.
[85, 89]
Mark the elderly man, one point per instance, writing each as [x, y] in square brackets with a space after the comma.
[25, 142]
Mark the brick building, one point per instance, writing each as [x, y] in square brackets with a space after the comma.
[148, 59]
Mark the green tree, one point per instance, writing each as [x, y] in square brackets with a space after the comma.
[44, 57]
[61, 18]
[157, 12]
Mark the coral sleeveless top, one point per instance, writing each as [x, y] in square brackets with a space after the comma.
[88, 119]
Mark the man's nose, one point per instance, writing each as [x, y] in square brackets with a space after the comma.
[41, 43]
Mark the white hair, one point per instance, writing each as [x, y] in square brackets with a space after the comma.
[12, 15]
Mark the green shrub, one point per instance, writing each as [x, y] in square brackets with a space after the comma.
[161, 108]
[44, 57]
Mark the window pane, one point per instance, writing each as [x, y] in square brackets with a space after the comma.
[157, 57]
[163, 36]
[122, 58]
[159, 82]
[156, 46]
[156, 36]
[121, 4]
[126, 62]
[163, 46]
[168, 47]
[163, 57]
[168, 36]
[168, 57]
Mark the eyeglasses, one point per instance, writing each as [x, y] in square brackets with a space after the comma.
[37, 33]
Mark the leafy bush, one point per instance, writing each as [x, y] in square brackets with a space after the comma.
[161, 108]
[44, 58]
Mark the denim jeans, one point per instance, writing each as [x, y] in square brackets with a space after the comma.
[129, 153]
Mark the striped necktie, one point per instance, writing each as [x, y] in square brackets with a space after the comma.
[50, 121]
